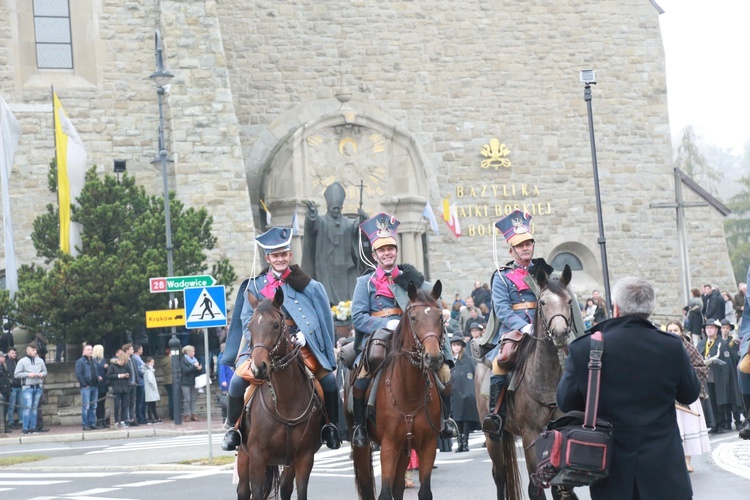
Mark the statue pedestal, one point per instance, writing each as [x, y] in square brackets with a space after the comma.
[342, 328]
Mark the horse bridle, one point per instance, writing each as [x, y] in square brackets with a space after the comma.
[548, 335]
[417, 357]
[277, 363]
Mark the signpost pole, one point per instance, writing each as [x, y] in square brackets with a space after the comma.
[207, 368]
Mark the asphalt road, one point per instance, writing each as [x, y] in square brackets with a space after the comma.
[146, 469]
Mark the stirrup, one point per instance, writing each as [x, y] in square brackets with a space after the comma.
[232, 440]
[329, 435]
[493, 426]
[450, 429]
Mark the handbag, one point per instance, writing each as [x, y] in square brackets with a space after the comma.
[576, 449]
[202, 380]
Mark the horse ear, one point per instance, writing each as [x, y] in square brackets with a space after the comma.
[278, 298]
[412, 290]
[252, 300]
[542, 279]
[567, 275]
[437, 290]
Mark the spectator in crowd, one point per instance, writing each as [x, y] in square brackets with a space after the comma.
[101, 371]
[646, 439]
[189, 369]
[140, 390]
[225, 376]
[481, 295]
[484, 313]
[474, 317]
[118, 374]
[31, 370]
[133, 384]
[739, 301]
[458, 301]
[722, 385]
[588, 313]
[600, 313]
[690, 420]
[728, 308]
[456, 312]
[14, 404]
[6, 338]
[463, 398]
[151, 391]
[713, 304]
[166, 371]
[694, 316]
[88, 381]
[214, 344]
[451, 325]
[476, 330]
[4, 394]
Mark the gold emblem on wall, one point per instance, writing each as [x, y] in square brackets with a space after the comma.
[496, 155]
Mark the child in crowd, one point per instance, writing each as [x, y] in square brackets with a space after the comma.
[152, 391]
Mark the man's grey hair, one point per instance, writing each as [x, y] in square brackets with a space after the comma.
[634, 296]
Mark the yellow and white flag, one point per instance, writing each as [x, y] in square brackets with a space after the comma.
[71, 175]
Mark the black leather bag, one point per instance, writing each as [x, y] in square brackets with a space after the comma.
[576, 449]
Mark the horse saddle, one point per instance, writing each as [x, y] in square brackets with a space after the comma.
[510, 345]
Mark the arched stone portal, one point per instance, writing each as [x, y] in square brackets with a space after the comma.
[364, 149]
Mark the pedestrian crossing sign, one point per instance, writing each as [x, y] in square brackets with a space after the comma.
[207, 306]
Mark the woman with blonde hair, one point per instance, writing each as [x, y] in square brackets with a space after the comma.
[101, 371]
[690, 420]
[189, 369]
[118, 375]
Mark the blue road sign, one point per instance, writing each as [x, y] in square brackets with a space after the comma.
[206, 307]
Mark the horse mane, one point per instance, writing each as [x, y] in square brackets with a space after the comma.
[265, 306]
[397, 338]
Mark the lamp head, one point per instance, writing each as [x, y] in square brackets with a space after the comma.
[161, 76]
[588, 77]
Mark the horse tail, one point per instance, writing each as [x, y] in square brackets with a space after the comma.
[512, 474]
[364, 476]
[271, 485]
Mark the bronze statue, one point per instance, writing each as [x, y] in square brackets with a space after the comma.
[330, 248]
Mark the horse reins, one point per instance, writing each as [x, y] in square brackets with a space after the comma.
[417, 357]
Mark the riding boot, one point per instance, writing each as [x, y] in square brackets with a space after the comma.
[330, 432]
[450, 429]
[232, 438]
[493, 422]
[359, 436]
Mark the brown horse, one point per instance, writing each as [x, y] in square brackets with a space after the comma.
[285, 411]
[533, 404]
[408, 401]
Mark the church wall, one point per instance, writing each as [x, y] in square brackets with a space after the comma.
[458, 77]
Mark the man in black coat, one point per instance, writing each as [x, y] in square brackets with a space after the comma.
[713, 303]
[644, 370]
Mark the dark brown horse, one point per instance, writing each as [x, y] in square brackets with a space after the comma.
[533, 404]
[283, 420]
[408, 402]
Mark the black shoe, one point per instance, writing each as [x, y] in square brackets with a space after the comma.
[715, 430]
[450, 429]
[330, 436]
[492, 425]
[359, 436]
[88, 428]
[25, 432]
[133, 423]
[232, 440]
[745, 430]
[44, 429]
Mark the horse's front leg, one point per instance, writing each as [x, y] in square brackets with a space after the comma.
[286, 483]
[426, 461]
[389, 451]
[243, 472]
[399, 484]
[495, 452]
[304, 467]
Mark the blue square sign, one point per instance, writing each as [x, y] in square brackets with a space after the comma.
[206, 307]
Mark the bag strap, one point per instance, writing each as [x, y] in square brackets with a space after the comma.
[595, 373]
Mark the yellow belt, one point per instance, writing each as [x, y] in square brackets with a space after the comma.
[393, 311]
[523, 305]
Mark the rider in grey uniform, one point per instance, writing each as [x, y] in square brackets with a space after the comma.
[309, 320]
[379, 300]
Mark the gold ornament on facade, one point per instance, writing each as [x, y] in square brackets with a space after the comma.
[496, 154]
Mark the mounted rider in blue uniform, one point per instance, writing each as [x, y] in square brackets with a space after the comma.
[514, 301]
[309, 321]
[379, 300]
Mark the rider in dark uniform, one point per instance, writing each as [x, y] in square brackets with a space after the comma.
[379, 300]
[309, 320]
[514, 300]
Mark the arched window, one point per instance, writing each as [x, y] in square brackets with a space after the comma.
[567, 258]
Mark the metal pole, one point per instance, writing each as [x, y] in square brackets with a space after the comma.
[602, 240]
[174, 343]
[207, 369]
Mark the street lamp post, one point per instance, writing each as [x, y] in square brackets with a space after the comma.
[161, 78]
[588, 78]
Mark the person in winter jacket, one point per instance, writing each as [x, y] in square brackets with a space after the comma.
[151, 391]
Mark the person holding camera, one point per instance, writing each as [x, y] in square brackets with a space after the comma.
[644, 370]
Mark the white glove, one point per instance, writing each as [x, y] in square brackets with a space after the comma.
[715, 359]
[299, 339]
[528, 329]
[392, 324]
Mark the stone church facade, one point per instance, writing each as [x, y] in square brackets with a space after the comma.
[402, 102]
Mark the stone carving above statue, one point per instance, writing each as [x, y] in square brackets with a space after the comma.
[349, 154]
